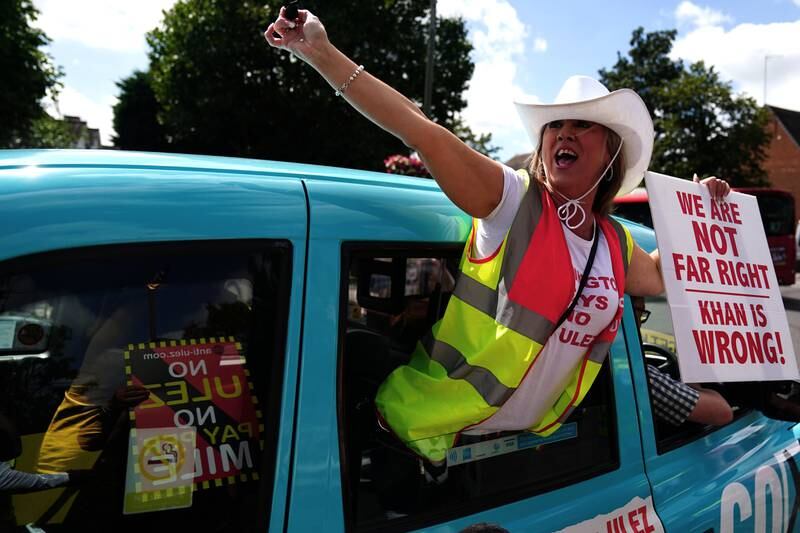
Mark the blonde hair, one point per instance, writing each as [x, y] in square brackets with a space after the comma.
[607, 190]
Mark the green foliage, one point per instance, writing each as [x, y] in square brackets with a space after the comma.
[135, 116]
[223, 90]
[701, 126]
[481, 142]
[27, 74]
[647, 69]
[48, 132]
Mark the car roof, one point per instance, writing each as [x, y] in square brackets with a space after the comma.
[643, 236]
[352, 199]
[51, 199]
[130, 160]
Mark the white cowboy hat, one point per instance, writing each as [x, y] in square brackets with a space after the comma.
[584, 98]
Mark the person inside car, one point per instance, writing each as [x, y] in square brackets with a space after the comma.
[544, 271]
[676, 402]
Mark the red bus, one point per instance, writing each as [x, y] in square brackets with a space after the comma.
[777, 214]
[634, 207]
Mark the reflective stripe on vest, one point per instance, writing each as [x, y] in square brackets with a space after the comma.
[625, 240]
[478, 353]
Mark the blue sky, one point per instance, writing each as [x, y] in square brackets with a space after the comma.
[521, 47]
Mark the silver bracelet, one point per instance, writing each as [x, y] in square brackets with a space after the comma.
[340, 91]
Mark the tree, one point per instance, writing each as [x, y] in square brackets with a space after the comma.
[482, 142]
[222, 90]
[48, 132]
[28, 75]
[701, 126]
[136, 115]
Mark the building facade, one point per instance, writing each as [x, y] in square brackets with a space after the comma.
[84, 136]
[782, 163]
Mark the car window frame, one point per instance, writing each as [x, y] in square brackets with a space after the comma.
[274, 384]
[349, 251]
[683, 436]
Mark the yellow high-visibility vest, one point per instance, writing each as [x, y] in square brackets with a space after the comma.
[501, 313]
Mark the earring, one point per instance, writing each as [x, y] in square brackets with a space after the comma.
[610, 173]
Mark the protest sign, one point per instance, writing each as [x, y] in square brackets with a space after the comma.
[200, 391]
[727, 310]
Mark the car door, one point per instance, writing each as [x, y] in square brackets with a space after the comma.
[391, 251]
[739, 477]
[179, 279]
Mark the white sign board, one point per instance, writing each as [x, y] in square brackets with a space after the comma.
[727, 311]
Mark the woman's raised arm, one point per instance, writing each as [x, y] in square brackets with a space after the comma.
[471, 180]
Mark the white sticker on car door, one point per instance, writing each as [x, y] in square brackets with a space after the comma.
[636, 516]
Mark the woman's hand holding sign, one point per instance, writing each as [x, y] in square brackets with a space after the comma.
[645, 277]
[718, 188]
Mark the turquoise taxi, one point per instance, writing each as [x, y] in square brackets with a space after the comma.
[259, 305]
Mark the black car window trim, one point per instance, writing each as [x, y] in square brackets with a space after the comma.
[689, 432]
[354, 250]
[350, 251]
[48, 260]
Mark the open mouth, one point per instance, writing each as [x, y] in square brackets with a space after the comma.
[565, 158]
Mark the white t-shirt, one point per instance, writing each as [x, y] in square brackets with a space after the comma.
[564, 350]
